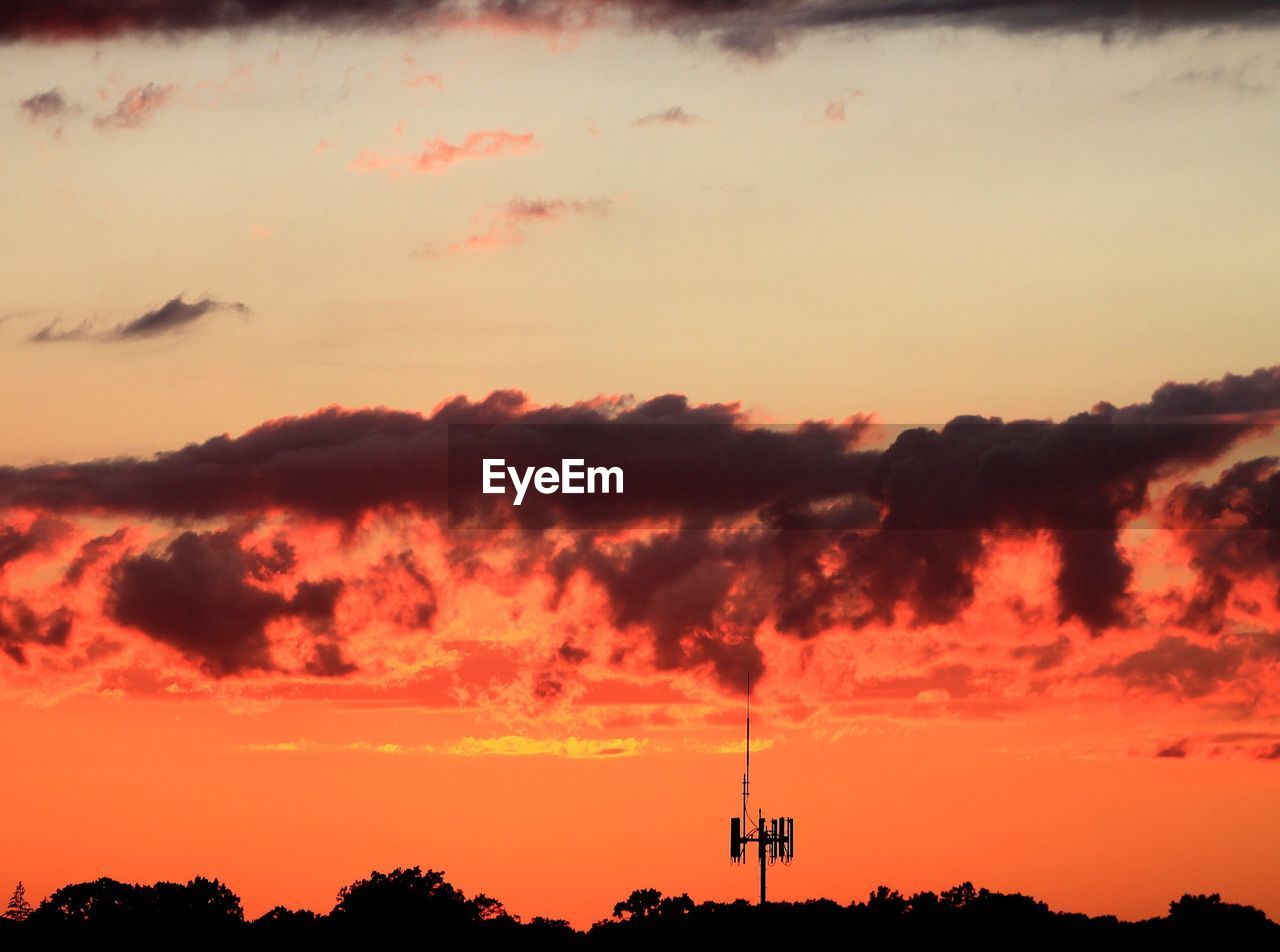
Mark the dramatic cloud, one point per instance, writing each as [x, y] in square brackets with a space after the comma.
[675, 116]
[752, 27]
[20, 625]
[1232, 528]
[376, 459]
[727, 532]
[507, 227]
[136, 107]
[438, 155]
[172, 316]
[16, 542]
[200, 596]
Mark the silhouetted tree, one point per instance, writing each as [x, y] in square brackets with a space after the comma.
[282, 919]
[413, 903]
[103, 904]
[1209, 914]
[957, 897]
[639, 905]
[18, 909]
[887, 903]
[411, 898]
[649, 905]
[201, 906]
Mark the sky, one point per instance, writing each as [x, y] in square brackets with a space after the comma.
[254, 268]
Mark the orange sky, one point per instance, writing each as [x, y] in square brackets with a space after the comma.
[915, 757]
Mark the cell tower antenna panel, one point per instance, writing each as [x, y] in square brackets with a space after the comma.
[774, 839]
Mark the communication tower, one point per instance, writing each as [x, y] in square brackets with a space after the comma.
[775, 840]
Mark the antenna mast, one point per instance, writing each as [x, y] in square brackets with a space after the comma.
[746, 777]
[775, 841]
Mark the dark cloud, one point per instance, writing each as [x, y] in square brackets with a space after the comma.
[16, 541]
[1234, 395]
[171, 316]
[572, 654]
[945, 492]
[1044, 657]
[806, 526]
[199, 596]
[417, 586]
[20, 626]
[679, 587]
[90, 554]
[50, 104]
[340, 464]
[1178, 666]
[1176, 750]
[1232, 528]
[752, 27]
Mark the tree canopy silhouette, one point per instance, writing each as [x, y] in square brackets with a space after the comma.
[411, 902]
[201, 906]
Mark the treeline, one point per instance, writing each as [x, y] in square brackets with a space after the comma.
[411, 902]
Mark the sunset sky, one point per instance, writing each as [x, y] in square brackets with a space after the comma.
[1042, 658]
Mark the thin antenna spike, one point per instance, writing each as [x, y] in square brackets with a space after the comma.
[746, 777]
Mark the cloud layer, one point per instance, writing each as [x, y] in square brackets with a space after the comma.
[754, 27]
[988, 560]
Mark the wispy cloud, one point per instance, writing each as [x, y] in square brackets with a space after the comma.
[835, 111]
[359, 746]
[438, 154]
[675, 116]
[575, 748]
[417, 78]
[1241, 79]
[739, 746]
[174, 315]
[136, 107]
[507, 226]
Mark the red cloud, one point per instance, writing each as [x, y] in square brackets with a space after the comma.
[834, 112]
[968, 580]
[136, 107]
[438, 154]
